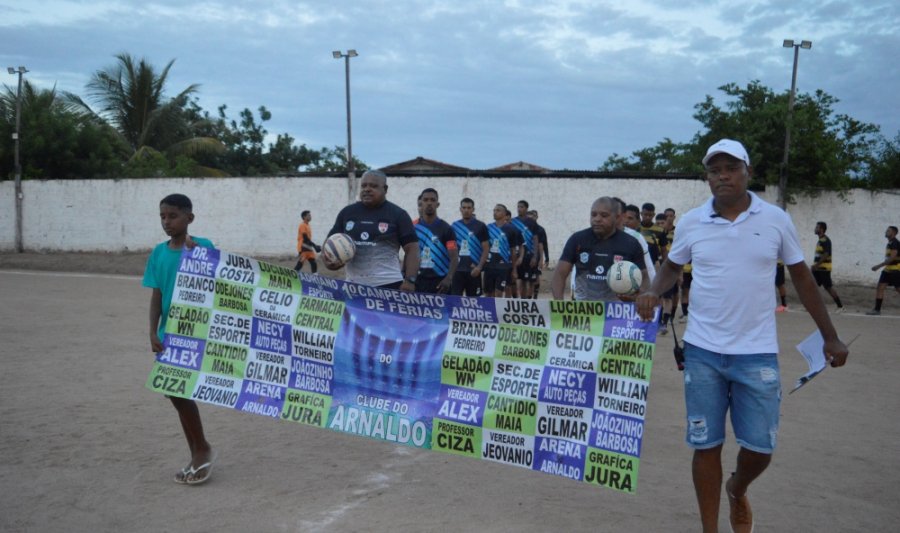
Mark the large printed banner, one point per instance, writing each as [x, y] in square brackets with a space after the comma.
[555, 386]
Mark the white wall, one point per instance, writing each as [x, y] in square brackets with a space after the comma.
[7, 215]
[259, 216]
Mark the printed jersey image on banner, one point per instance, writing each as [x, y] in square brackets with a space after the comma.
[555, 386]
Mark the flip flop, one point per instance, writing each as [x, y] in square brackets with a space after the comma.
[207, 466]
[184, 473]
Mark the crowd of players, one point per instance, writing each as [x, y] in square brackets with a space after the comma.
[506, 256]
[503, 257]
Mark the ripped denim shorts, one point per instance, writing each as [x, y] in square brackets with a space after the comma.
[747, 384]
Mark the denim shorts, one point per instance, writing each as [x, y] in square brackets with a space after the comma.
[747, 384]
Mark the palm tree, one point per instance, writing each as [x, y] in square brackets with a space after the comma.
[130, 97]
[60, 144]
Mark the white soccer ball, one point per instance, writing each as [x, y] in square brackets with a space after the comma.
[624, 278]
[339, 248]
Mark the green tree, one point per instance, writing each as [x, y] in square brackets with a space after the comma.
[335, 160]
[246, 153]
[666, 156]
[245, 143]
[885, 167]
[130, 96]
[56, 143]
[828, 150]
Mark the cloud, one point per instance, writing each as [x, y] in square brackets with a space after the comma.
[560, 83]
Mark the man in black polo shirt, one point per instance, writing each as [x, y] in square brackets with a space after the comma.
[528, 264]
[474, 246]
[501, 255]
[593, 251]
[437, 246]
[379, 228]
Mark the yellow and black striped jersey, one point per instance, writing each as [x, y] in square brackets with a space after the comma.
[823, 246]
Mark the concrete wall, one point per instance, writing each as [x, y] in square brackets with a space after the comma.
[259, 216]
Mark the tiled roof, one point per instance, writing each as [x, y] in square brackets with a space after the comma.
[420, 163]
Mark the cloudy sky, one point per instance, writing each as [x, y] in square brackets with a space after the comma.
[557, 83]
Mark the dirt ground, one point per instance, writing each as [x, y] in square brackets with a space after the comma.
[85, 447]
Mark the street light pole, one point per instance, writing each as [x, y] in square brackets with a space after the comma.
[782, 178]
[18, 167]
[351, 172]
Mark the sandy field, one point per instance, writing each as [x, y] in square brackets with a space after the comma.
[86, 447]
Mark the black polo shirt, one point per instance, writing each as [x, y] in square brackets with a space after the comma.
[593, 258]
[379, 233]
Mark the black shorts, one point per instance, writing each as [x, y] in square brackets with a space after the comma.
[823, 278]
[525, 271]
[428, 285]
[892, 278]
[495, 280]
[463, 284]
[395, 285]
[779, 275]
[686, 281]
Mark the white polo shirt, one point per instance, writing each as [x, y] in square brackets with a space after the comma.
[734, 265]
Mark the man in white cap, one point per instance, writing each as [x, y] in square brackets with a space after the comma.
[730, 346]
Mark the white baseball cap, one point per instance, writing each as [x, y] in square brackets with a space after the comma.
[727, 146]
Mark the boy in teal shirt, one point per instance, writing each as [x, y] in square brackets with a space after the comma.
[175, 213]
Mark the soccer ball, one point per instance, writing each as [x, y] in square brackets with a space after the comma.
[624, 278]
[339, 248]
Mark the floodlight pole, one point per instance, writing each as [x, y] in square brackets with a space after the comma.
[18, 168]
[782, 178]
[351, 172]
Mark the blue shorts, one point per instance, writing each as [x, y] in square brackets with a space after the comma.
[747, 384]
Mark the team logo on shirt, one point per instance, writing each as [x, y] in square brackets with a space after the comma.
[349, 226]
[618, 258]
[599, 270]
[434, 238]
[364, 235]
[584, 257]
[382, 226]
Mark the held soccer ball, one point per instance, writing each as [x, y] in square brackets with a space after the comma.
[339, 248]
[624, 278]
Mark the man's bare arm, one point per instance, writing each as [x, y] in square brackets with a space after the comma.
[666, 276]
[155, 314]
[560, 276]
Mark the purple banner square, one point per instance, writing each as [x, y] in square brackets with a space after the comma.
[560, 457]
[567, 387]
[461, 405]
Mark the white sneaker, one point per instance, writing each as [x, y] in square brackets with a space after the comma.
[683, 319]
[839, 310]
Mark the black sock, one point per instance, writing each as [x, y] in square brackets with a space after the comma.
[665, 318]
[313, 266]
[684, 309]
[878, 303]
[838, 302]
[298, 266]
[784, 301]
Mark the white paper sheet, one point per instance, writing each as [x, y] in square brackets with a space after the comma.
[812, 350]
